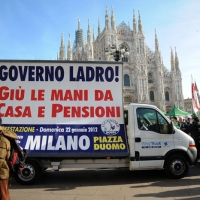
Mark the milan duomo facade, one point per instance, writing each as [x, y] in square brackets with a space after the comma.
[146, 79]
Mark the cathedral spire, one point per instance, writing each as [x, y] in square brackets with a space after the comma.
[62, 48]
[172, 60]
[113, 20]
[69, 49]
[79, 24]
[107, 23]
[94, 37]
[89, 38]
[139, 23]
[134, 23]
[99, 29]
[156, 43]
[176, 61]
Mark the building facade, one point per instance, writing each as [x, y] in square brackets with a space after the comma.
[188, 105]
[146, 79]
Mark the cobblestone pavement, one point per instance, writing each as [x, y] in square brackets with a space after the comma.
[120, 184]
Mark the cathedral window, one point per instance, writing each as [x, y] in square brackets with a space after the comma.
[152, 95]
[167, 96]
[125, 59]
[126, 80]
[127, 99]
[150, 78]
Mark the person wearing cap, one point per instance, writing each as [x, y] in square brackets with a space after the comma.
[195, 133]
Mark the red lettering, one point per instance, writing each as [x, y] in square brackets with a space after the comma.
[1, 106]
[56, 95]
[85, 95]
[66, 111]
[85, 112]
[4, 94]
[110, 111]
[17, 111]
[27, 112]
[12, 94]
[38, 97]
[117, 111]
[76, 111]
[100, 112]
[98, 95]
[33, 98]
[92, 111]
[56, 108]
[68, 95]
[108, 96]
[41, 110]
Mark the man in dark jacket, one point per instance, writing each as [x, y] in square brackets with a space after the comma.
[189, 126]
[195, 133]
[183, 125]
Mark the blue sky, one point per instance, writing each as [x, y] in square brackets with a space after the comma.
[32, 29]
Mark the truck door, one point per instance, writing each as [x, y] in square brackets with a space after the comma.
[152, 138]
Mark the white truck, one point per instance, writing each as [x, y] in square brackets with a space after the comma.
[71, 115]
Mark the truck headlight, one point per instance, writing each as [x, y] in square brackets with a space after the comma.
[192, 143]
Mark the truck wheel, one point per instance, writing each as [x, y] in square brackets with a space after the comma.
[176, 166]
[30, 173]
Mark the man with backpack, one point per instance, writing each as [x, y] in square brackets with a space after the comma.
[12, 158]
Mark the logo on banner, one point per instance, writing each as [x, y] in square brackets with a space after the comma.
[110, 127]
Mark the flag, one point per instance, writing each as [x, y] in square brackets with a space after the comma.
[196, 87]
[195, 101]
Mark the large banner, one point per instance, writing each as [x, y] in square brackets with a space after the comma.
[63, 108]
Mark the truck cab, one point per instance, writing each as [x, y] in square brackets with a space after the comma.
[154, 143]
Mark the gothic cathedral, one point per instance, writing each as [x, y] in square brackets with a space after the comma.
[146, 79]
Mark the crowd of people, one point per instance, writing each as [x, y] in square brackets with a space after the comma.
[191, 126]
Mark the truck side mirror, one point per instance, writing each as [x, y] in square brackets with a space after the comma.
[171, 128]
[126, 117]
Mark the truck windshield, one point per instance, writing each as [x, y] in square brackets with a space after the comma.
[151, 120]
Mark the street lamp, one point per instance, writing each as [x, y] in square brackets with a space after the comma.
[117, 54]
